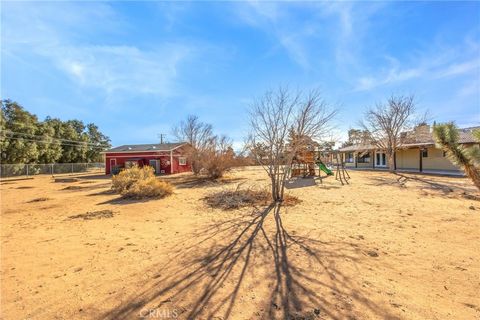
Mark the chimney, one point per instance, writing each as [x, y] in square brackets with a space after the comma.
[422, 132]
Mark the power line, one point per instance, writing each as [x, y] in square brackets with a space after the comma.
[47, 142]
[53, 138]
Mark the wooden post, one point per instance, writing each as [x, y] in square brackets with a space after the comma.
[171, 161]
[421, 160]
[373, 158]
[355, 157]
[394, 160]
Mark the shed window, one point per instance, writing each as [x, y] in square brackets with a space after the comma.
[424, 153]
[364, 158]
[182, 161]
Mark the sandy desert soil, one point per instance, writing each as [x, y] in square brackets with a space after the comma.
[383, 247]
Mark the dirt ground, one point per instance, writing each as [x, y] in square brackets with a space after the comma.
[383, 247]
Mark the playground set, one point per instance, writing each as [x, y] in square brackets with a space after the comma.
[305, 161]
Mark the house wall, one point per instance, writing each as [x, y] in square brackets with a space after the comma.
[355, 159]
[436, 161]
[408, 159]
[164, 158]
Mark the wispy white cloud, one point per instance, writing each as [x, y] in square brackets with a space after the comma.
[393, 75]
[274, 19]
[66, 35]
[115, 69]
[426, 66]
[460, 68]
[336, 24]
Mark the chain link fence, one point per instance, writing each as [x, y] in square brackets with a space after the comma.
[18, 170]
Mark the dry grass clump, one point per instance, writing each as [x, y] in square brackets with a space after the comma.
[238, 198]
[73, 188]
[90, 215]
[139, 183]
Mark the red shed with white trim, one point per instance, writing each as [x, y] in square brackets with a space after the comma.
[165, 158]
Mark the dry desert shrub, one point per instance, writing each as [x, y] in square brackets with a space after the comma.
[138, 183]
[90, 215]
[238, 198]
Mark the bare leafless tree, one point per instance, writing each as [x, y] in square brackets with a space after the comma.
[219, 158]
[200, 137]
[385, 122]
[277, 116]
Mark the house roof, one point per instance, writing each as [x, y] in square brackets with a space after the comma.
[145, 147]
[415, 140]
[357, 147]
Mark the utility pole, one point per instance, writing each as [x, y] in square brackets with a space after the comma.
[162, 137]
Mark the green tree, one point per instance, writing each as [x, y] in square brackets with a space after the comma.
[50, 150]
[23, 139]
[19, 128]
[74, 143]
[98, 142]
[356, 136]
[447, 138]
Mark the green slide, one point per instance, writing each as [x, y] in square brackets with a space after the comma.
[324, 168]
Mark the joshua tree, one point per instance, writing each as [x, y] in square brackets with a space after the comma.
[447, 137]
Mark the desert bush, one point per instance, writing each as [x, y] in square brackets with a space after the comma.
[219, 158]
[238, 198]
[138, 183]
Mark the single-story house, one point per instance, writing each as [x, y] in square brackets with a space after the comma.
[417, 153]
[165, 158]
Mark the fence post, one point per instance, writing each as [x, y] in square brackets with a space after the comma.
[51, 166]
[72, 167]
[27, 169]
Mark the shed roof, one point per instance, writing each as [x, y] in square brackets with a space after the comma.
[145, 147]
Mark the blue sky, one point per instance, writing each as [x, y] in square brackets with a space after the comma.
[137, 68]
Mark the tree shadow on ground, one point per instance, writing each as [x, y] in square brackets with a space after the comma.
[95, 176]
[253, 256]
[193, 181]
[423, 183]
[299, 182]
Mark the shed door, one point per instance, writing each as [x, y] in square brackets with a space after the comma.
[156, 165]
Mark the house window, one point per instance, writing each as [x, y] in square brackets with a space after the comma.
[349, 157]
[182, 161]
[364, 158]
[425, 153]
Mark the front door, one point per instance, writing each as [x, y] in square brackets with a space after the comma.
[156, 165]
[380, 159]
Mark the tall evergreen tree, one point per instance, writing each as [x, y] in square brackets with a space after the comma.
[99, 142]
